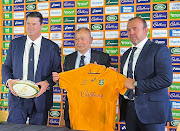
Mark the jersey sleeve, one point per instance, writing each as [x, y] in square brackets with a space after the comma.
[65, 79]
[120, 83]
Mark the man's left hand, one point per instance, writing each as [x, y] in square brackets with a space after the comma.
[129, 83]
[44, 85]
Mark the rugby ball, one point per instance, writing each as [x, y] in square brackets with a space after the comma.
[26, 89]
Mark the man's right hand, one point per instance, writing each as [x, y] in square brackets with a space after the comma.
[10, 85]
[55, 77]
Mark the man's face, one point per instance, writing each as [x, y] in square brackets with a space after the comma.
[136, 31]
[83, 41]
[33, 27]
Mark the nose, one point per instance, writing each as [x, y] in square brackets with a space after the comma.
[131, 31]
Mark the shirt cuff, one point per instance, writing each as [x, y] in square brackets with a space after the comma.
[135, 84]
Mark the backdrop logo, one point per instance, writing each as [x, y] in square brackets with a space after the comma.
[83, 19]
[174, 95]
[7, 23]
[54, 121]
[55, 4]
[159, 15]
[176, 114]
[111, 18]
[174, 15]
[7, 30]
[174, 41]
[7, 8]
[127, 9]
[176, 77]
[56, 90]
[143, 8]
[174, 24]
[18, 1]
[69, 4]
[122, 50]
[7, 37]
[127, 1]
[5, 52]
[175, 104]
[55, 35]
[125, 42]
[55, 113]
[69, 19]
[67, 51]
[83, 11]
[69, 27]
[174, 6]
[125, 17]
[174, 123]
[175, 59]
[111, 42]
[159, 33]
[96, 26]
[69, 11]
[159, 24]
[97, 35]
[56, 106]
[97, 3]
[123, 34]
[111, 2]
[174, 33]
[68, 43]
[176, 68]
[45, 28]
[6, 2]
[68, 35]
[111, 10]
[31, 7]
[7, 15]
[55, 28]
[114, 59]
[82, 3]
[145, 16]
[159, 7]
[96, 18]
[96, 10]
[112, 51]
[41, 6]
[122, 127]
[18, 22]
[19, 15]
[97, 43]
[160, 41]
[56, 20]
[57, 12]
[175, 50]
[143, 1]
[112, 34]
[45, 20]
[112, 26]
[30, 1]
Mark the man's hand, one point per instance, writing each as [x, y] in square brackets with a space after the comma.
[129, 83]
[44, 85]
[10, 85]
[55, 77]
[112, 68]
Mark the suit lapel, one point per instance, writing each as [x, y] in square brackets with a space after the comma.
[142, 55]
[94, 56]
[123, 60]
[73, 61]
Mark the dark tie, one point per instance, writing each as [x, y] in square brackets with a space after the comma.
[30, 75]
[130, 71]
[82, 61]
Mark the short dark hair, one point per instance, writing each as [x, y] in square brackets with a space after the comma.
[143, 20]
[36, 14]
[83, 28]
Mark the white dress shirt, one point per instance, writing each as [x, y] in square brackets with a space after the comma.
[86, 59]
[37, 47]
[135, 58]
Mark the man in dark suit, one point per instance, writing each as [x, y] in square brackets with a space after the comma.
[45, 58]
[151, 70]
[83, 41]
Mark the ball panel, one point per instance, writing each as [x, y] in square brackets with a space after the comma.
[26, 89]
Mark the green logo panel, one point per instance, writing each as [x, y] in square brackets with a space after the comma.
[125, 42]
[82, 3]
[4, 103]
[7, 16]
[56, 106]
[175, 87]
[69, 12]
[111, 2]
[111, 42]
[159, 0]
[174, 15]
[176, 114]
[7, 2]
[45, 29]
[145, 16]
[5, 44]
[112, 51]
[7, 30]
[4, 89]
[30, 1]
[57, 20]
[69, 20]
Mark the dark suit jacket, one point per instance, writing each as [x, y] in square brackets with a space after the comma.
[49, 61]
[100, 57]
[153, 73]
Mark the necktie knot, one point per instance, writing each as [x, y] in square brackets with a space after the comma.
[134, 49]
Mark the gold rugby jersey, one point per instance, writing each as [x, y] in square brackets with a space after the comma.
[92, 92]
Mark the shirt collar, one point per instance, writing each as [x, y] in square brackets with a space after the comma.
[87, 54]
[36, 42]
[141, 44]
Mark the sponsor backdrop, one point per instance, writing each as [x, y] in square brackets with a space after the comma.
[107, 20]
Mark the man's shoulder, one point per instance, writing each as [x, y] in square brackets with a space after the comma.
[69, 56]
[19, 39]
